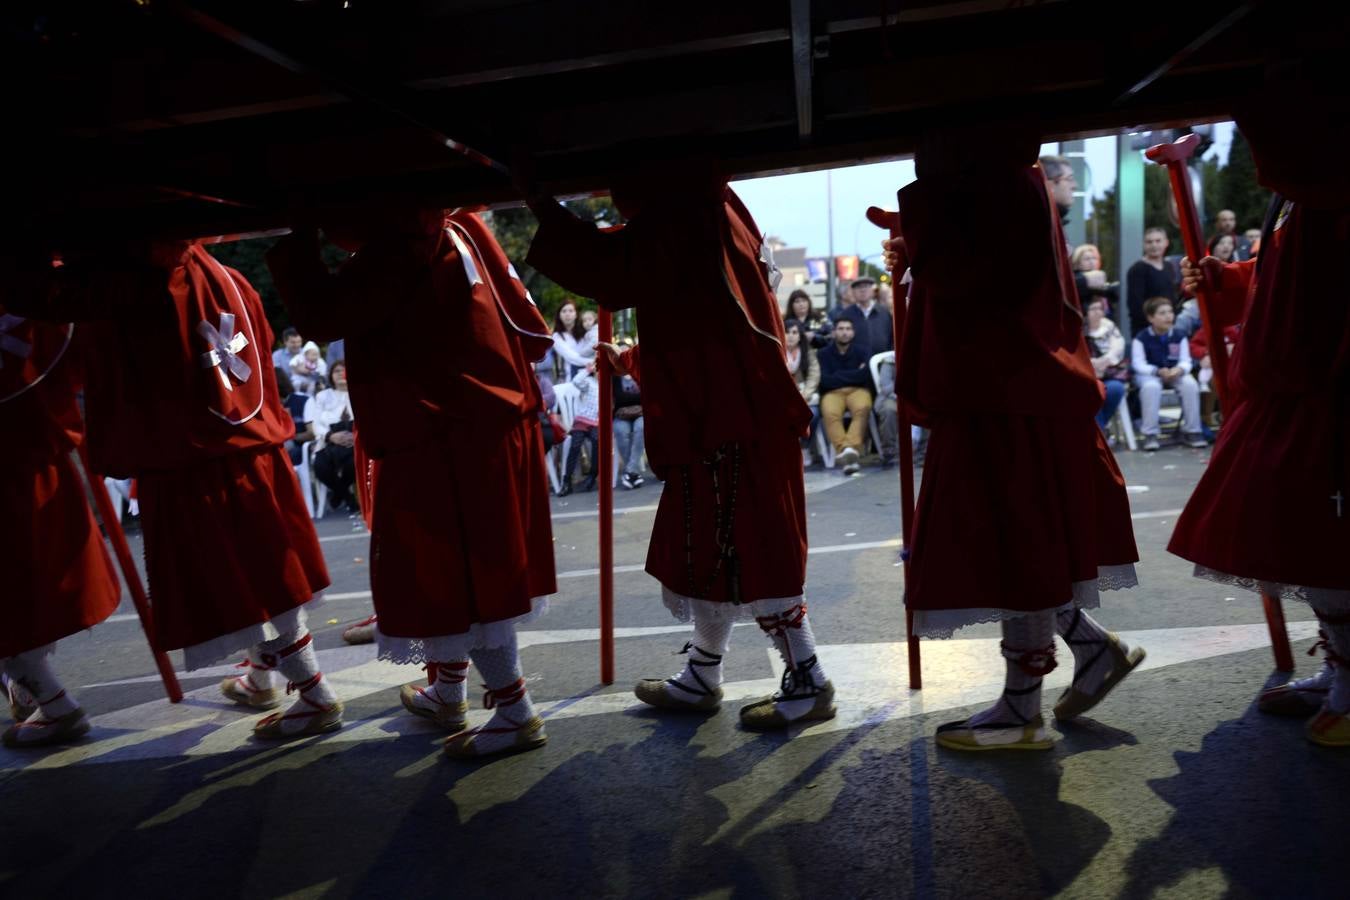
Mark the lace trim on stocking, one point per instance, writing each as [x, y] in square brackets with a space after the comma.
[943, 623]
[1323, 598]
[480, 636]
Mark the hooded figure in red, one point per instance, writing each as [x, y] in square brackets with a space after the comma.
[723, 420]
[1022, 516]
[461, 539]
[181, 395]
[59, 579]
[1272, 512]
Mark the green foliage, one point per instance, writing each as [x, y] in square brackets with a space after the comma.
[515, 230]
[1232, 186]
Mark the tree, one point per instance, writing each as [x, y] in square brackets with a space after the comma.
[1239, 188]
[515, 228]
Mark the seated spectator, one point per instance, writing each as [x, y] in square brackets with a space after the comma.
[571, 342]
[334, 458]
[805, 369]
[1223, 247]
[873, 328]
[1161, 358]
[308, 370]
[1253, 238]
[290, 346]
[1204, 371]
[1090, 280]
[815, 325]
[629, 435]
[888, 411]
[585, 428]
[301, 408]
[1106, 346]
[845, 384]
[591, 323]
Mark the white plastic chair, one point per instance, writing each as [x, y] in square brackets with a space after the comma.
[306, 480]
[320, 490]
[1124, 425]
[566, 396]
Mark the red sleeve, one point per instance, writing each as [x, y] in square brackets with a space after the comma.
[631, 360]
[582, 258]
[1230, 300]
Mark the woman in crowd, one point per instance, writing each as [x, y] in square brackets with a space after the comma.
[1106, 346]
[334, 457]
[629, 428]
[572, 343]
[801, 362]
[1223, 247]
[815, 325]
[1086, 262]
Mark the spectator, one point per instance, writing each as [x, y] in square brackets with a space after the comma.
[1223, 247]
[815, 325]
[1151, 276]
[1106, 346]
[888, 413]
[873, 330]
[629, 431]
[1090, 280]
[308, 370]
[290, 346]
[843, 301]
[805, 369]
[570, 340]
[585, 427]
[845, 385]
[334, 457]
[1225, 222]
[301, 408]
[1161, 358]
[1253, 238]
[590, 322]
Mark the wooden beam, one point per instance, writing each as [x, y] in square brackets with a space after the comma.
[1180, 54]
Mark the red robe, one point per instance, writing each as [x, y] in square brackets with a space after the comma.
[228, 541]
[1021, 498]
[713, 378]
[461, 533]
[58, 576]
[1266, 508]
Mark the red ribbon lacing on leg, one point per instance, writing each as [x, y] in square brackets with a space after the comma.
[267, 665]
[506, 696]
[777, 624]
[444, 673]
[1036, 662]
[293, 648]
[308, 684]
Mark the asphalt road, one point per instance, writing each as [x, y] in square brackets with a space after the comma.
[1176, 787]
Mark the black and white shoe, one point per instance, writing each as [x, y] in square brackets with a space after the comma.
[632, 480]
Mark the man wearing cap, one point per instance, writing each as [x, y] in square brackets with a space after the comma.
[873, 330]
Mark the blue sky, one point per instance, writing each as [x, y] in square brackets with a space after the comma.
[794, 207]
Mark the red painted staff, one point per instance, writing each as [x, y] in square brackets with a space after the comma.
[112, 523]
[604, 374]
[1174, 156]
[891, 222]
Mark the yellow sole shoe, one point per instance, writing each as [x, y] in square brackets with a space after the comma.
[450, 716]
[319, 720]
[1073, 702]
[61, 730]
[1329, 729]
[961, 736]
[652, 691]
[529, 736]
[764, 715]
[234, 690]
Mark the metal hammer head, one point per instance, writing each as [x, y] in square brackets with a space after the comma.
[1180, 150]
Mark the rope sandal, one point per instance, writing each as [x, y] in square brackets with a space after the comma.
[1074, 702]
[318, 719]
[1023, 732]
[422, 701]
[238, 688]
[528, 734]
[701, 697]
